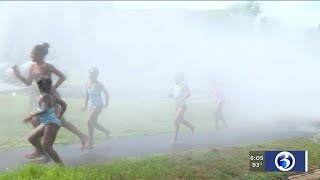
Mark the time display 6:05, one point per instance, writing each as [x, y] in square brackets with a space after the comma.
[256, 161]
[256, 158]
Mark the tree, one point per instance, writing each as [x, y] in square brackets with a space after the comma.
[250, 8]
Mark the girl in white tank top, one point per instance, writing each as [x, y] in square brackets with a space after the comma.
[180, 93]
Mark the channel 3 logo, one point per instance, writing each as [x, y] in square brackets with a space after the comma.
[284, 161]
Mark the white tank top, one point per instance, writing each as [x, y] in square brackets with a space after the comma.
[179, 92]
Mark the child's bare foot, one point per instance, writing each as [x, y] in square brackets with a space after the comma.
[61, 164]
[192, 129]
[34, 155]
[108, 133]
[174, 142]
[84, 141]
[46, 158]
[89, 146]
[40, 160]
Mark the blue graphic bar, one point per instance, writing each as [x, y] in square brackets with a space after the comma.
[286, 161]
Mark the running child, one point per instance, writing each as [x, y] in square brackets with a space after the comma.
[38, 69]
[50, 123]
[93, 92]
[181, 93]
[218, 98]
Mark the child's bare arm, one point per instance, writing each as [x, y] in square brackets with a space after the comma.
[63, 105]
[27, 81]
[106, 94]
[58, 73]
[188, 94]
[87, 99]
[43, 108]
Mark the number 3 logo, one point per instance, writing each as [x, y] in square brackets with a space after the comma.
[284, 161]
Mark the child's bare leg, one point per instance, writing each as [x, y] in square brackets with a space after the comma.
[90, 133]
[50, 133]
[183, 121]
[34, 139]
[176, 132]
[179, 116]
[66, 124]
[101, 128]
[72, 128]
[186, 123]
[216, 120]
[222, 116]
[217, 117]
[35, 121]
[219, 114]
[95, 123]
[36, 152]
[94, 113]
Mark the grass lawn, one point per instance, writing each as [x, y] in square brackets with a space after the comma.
[227, 163]
[127, 118]
[122, 118]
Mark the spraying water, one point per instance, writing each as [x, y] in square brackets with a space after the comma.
[269, 71]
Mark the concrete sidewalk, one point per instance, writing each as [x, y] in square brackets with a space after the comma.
[153, 144]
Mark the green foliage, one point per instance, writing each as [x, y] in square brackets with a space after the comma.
[236, 12]
[227, 163]
[250, 8]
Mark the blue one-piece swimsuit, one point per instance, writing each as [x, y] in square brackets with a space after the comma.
[95, 97]
[49, 117]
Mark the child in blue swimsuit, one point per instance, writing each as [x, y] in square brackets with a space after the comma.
[50, 123]
[94, 89]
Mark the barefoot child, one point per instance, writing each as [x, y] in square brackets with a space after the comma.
[94, 89]
[219, 102]
[50, 123]
[38, 69]
[180, 93]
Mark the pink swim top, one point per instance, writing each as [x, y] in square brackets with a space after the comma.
[218, 94]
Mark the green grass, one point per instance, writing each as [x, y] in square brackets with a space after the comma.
[123, 118]
[128, 118]
[227, 163]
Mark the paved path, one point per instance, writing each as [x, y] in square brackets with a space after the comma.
[315, 175]
[152, 144]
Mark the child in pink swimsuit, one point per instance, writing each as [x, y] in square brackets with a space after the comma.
[219, 102]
